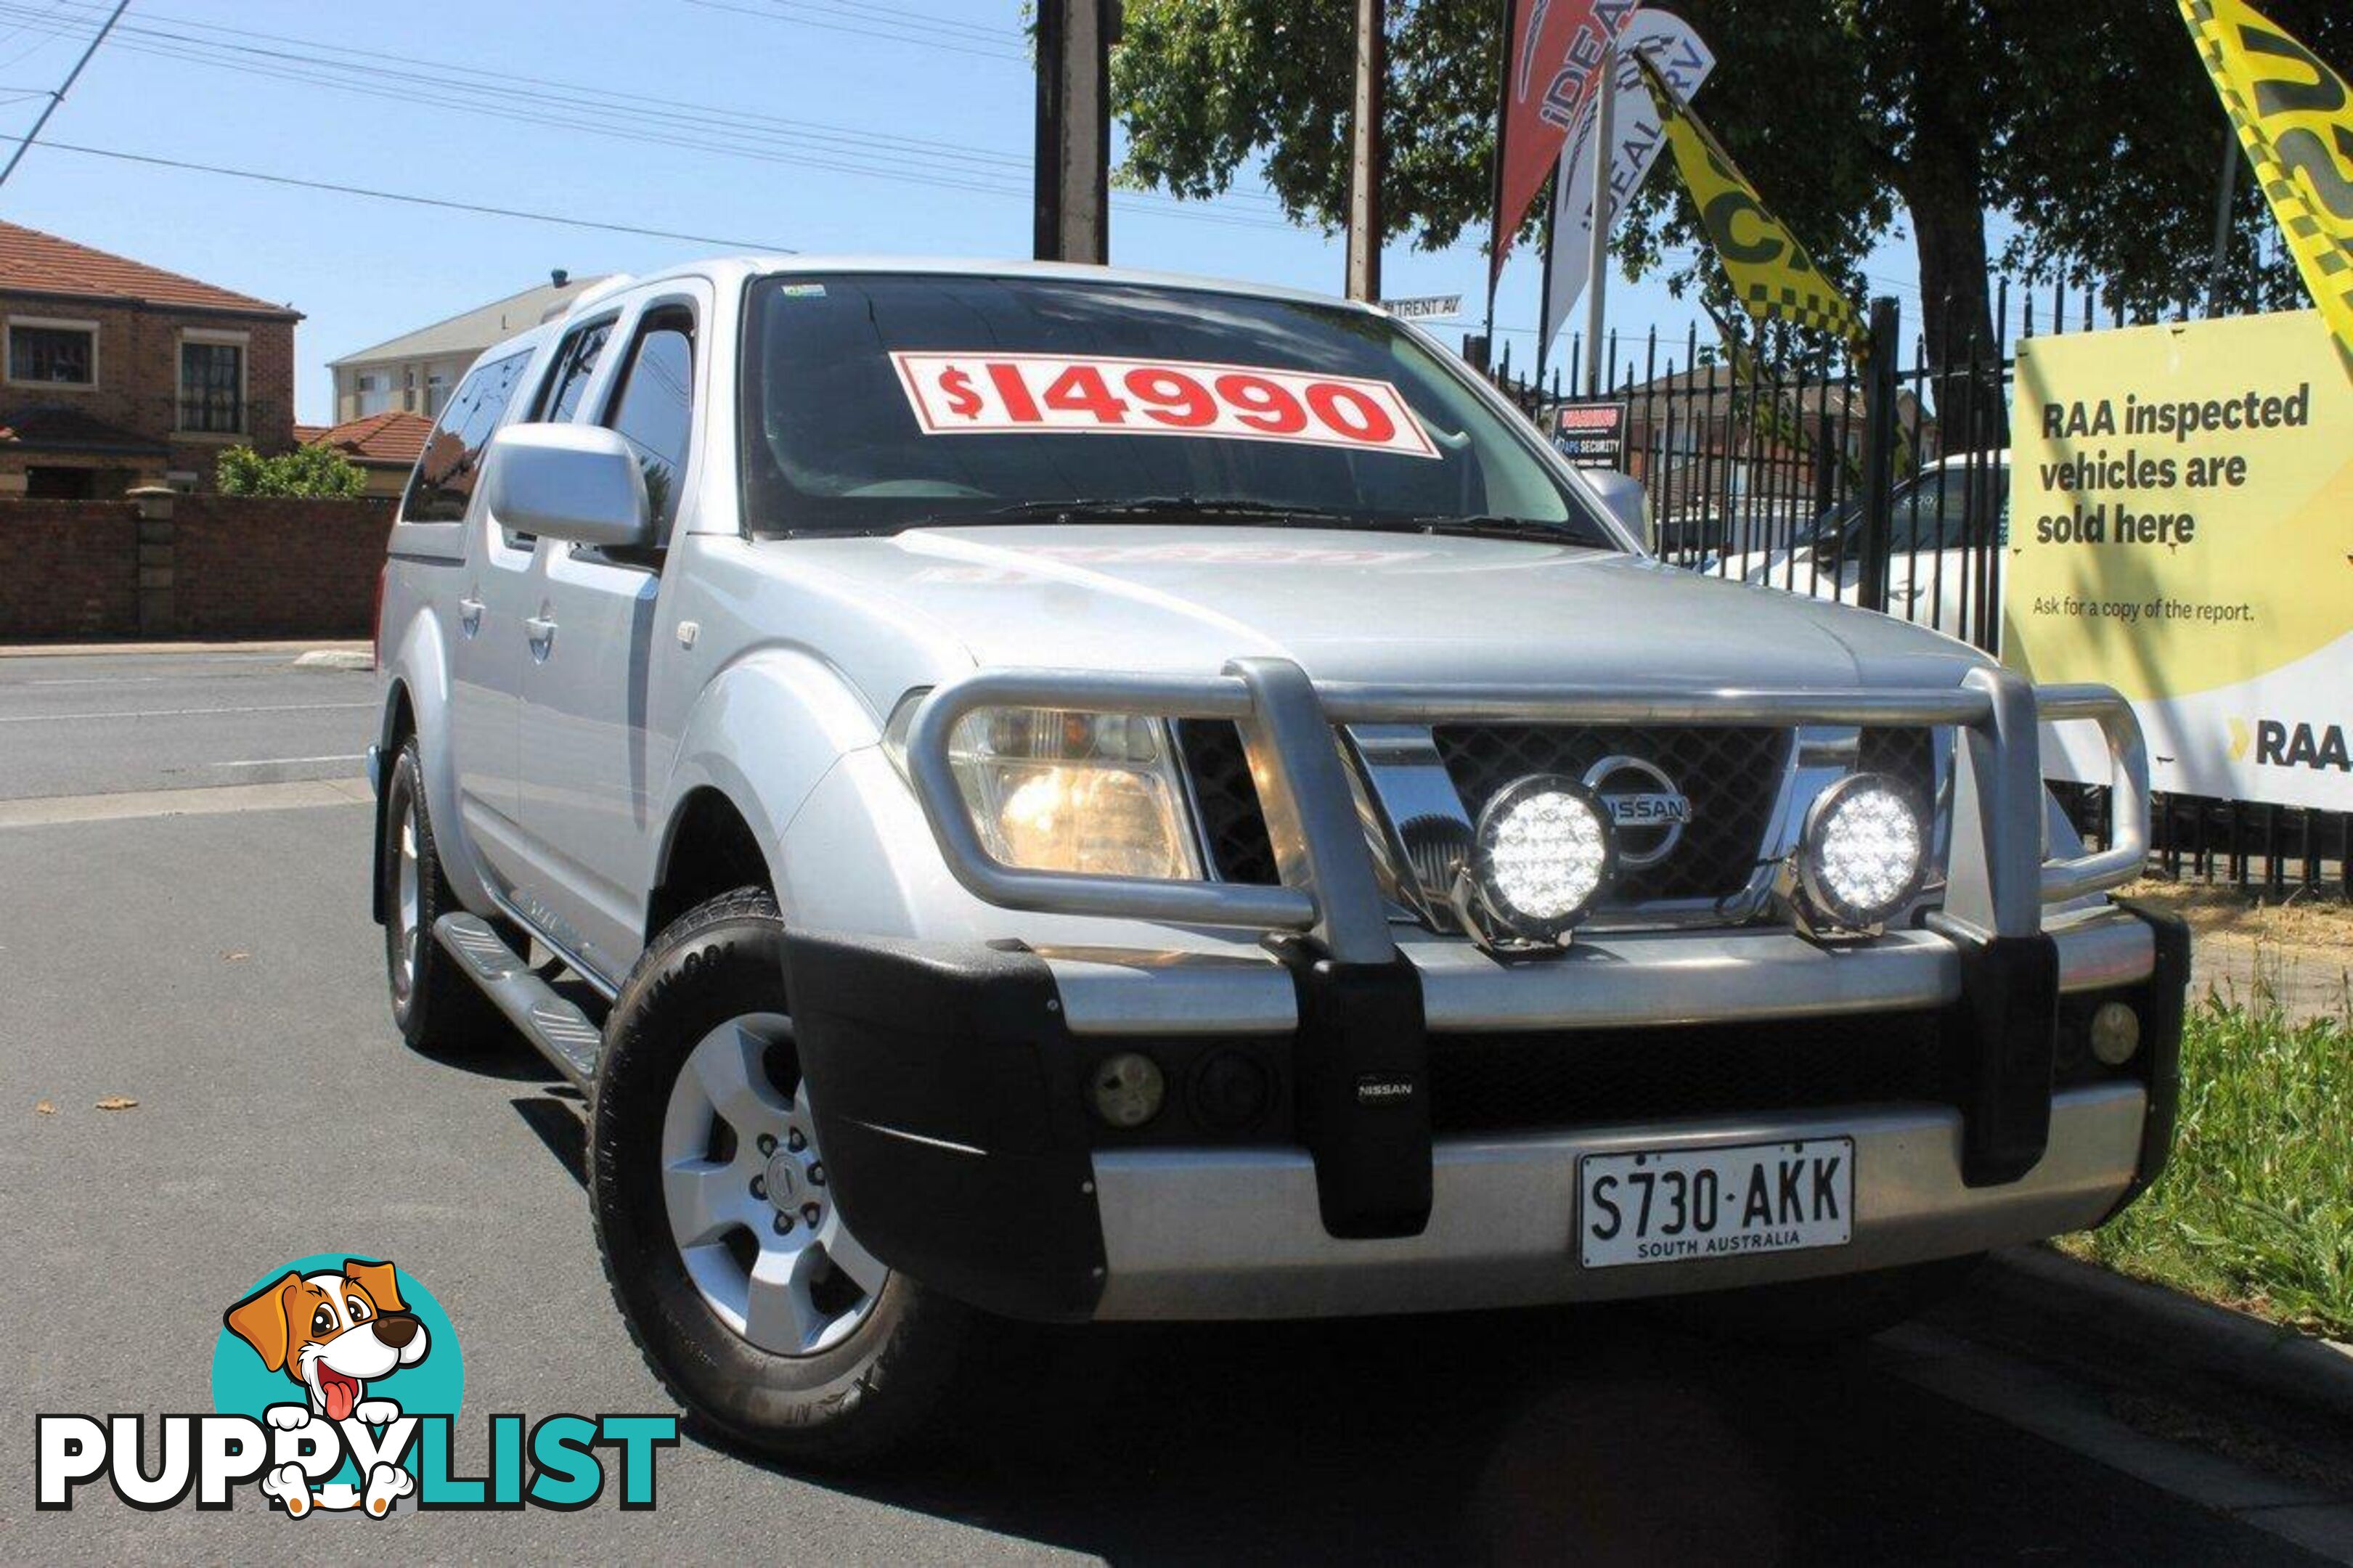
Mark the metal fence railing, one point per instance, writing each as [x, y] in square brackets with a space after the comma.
[1886, 484]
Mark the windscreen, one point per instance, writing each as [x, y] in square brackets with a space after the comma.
[877, 402]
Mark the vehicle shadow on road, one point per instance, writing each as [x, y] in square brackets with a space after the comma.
[1511, 1436]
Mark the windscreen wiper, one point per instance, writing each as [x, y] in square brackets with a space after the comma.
[1474, 525]
[1113, 508]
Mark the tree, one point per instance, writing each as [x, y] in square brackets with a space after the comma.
[316, 471]
[2090, 123]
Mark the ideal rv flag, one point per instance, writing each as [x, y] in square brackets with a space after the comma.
[1684, 60]
[1770, 271]
[2294, 118]
[1555, 55]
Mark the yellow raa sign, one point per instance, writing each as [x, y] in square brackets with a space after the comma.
[2181, 527]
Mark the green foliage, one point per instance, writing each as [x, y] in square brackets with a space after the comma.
[2257, 1206]
[2090, 123]
[319, 471]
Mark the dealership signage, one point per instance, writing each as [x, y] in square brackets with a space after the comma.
[2181, 529]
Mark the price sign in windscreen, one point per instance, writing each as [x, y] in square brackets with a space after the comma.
[1002, 393]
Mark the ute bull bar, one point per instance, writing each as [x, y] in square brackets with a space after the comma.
[1997, 880]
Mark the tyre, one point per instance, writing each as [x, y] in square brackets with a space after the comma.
[1821, 1311]
[435, 1003]
[748, 1298]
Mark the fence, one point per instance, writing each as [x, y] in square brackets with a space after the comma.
[163, 565]
[1886, 484]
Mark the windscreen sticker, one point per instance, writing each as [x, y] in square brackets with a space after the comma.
[1056, 394]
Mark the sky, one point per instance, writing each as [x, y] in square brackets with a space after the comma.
[822, 126]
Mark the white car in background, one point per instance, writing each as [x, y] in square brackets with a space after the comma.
[1947, 518]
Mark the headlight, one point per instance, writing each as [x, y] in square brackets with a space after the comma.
[1861, 855]
[1540, 856]
[1092, 793]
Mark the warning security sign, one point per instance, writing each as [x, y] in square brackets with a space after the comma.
[2181, 529]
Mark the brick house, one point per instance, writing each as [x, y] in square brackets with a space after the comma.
[385, 447]
[114, 373]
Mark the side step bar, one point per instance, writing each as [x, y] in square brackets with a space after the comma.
[560, 1031]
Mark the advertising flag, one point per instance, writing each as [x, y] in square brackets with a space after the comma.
[2294, 118]
[1553, 57]
[1771, 273]
[1684, 60]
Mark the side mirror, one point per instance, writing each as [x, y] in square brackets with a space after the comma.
[574, 482]
[1625, 498]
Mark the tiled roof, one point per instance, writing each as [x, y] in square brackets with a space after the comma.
[49, 428]
[32, 262]
[393, 438]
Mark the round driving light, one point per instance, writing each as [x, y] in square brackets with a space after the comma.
[1541, 854]
[1862, 850]
[1128, 1088]
[2116, 1033]
[1230, 1092]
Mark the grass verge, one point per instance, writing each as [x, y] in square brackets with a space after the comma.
[2257, 1208]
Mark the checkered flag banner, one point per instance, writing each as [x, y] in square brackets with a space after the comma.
[2295, 118]
[1770, 271]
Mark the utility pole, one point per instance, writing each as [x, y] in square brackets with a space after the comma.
[1367, 150]
[59, 96]
[2226, 192]
[1597, 271]
[1074, 152]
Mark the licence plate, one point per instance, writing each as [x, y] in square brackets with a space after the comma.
[1677, 1206]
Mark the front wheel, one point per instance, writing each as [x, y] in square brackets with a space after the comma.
[435, 1003]
[748, 1296]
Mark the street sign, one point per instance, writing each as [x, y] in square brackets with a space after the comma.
[1591, 432]
[1425, 307]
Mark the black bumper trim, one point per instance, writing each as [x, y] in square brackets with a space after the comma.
[2164, 1011]
[2010, 1007]
[1361, 1069]
[947, 1096]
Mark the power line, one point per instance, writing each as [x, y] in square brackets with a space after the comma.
[338, 189]
[973, 48]
[613, 115]
[64, 87]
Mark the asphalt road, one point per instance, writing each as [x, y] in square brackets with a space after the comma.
[105, 724]
[222, 971]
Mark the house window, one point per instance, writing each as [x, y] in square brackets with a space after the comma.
[53, 353]
[372, 391]
[437, 392]
[212, 386]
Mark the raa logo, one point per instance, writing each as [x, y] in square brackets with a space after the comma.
[336, 1381]
[2279, 744]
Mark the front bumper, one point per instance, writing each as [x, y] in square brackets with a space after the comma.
[950, 1088]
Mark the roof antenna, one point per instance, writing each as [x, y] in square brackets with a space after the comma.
[559, 277]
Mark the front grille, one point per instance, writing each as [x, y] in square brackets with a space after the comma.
[1731, 776]
[1495, 1083]
[1232, 820]
[1907, 756]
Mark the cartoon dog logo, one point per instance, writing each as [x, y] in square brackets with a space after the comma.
[332, 1333]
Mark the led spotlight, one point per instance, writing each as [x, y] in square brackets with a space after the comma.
[1128, 1088]
[2116, 1033]
[1541, 855]
[1860, 858]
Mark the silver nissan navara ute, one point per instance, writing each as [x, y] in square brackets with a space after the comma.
[1030, 792]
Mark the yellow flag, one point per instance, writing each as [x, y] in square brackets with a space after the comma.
[1769, 269]
[2296, 120]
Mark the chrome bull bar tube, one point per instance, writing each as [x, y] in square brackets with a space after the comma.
[1328, 888]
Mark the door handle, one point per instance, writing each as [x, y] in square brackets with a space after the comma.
[469, 616]
[540, 629]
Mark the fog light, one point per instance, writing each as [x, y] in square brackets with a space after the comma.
[1230, 1092]
[1128, 1088]
[1540, 857]
[2116, 1033]
[1861, 855]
